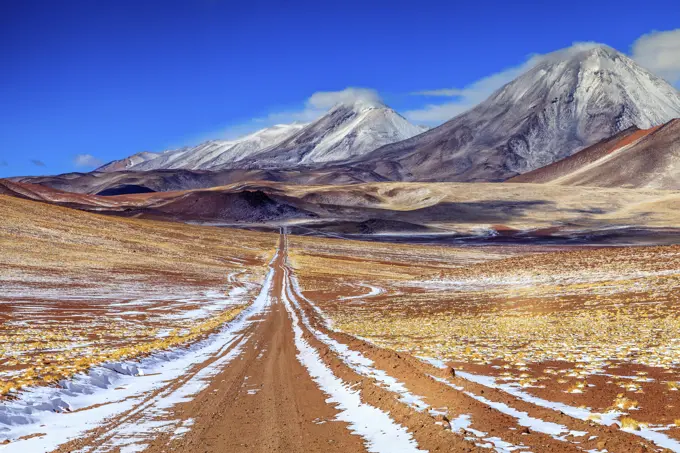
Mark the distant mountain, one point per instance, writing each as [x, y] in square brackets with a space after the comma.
[346, 131]
[129, 162]
[207, 155]
[647, 158]
[130, 182]
[229, 204]
[570, 99]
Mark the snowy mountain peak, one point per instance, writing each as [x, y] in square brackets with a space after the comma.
[597, 78]
[348, 130]
[359, 105]
[582, 51]
[214, 153]
[566, 101]
[351, 128]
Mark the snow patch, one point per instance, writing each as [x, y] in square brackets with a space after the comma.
[111, 389]
[380, 432]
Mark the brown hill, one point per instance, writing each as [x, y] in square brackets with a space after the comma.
[633, 158]
[403, 211]
[233, 204]
[128, 182]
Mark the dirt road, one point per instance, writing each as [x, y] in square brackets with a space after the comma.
[280, 379]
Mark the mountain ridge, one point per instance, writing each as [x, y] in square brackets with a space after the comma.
[570, 99]
[567, 101]
[347, 130]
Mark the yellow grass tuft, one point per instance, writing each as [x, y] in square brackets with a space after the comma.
[632, 424]
[621, 402]
[577, 387]
[52, 375]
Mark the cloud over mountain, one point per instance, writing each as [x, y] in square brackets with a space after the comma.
[659, 52]
[87, 161]
[312, 108]
[326, 99]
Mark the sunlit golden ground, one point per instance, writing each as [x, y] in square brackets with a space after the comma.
[588, 327]
[79, 289]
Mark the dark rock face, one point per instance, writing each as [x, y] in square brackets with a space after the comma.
[125, 189]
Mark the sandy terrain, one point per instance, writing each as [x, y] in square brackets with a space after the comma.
[333, 345]
[80, 289]
[592, 329]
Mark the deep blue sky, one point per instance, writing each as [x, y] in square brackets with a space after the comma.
[111, 78]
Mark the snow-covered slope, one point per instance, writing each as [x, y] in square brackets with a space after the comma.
[569, 100]
[129, 162]
[209, 154]
[346, 131]
[251, 145]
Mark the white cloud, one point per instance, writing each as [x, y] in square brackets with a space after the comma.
[467, 97]
[327, 99]
[320, 102]
[659, 51]
[87, 160]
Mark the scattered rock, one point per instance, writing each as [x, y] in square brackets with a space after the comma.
[444, 420]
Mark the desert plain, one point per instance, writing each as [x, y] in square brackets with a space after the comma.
[128, 334]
